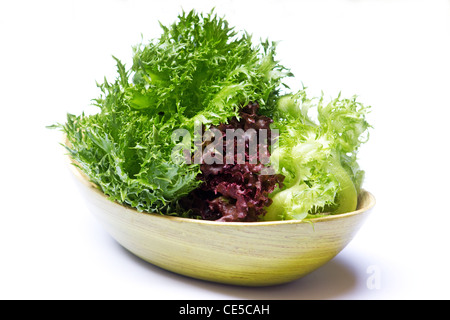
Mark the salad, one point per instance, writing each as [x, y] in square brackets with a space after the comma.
[202, 126]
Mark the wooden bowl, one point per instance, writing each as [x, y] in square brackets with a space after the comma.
[250, 254]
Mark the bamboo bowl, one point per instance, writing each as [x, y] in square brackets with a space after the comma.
[250, 254]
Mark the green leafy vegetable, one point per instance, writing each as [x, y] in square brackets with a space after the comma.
[200, 70]
[317, 157]
[204, 69]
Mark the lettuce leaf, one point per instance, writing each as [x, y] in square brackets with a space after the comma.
[236, 190]
[318, 157]
[199, 71]
[205, 68]
[202, 72]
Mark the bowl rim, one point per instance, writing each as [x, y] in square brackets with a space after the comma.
[83, 178]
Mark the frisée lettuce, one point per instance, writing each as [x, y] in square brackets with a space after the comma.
[199, 71]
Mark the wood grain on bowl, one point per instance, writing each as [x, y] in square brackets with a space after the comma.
[252, 254]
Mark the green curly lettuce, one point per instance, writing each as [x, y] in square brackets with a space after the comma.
[318, 157]
[203, 68]
[199, 71]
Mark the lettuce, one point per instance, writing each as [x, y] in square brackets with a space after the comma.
[318, 157]
[199, 71]
[237, 190]
[203, 68]
[202, 73]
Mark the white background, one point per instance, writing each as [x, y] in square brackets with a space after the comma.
[395, 55]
